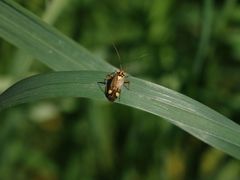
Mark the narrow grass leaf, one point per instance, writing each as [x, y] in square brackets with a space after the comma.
[29, 33]
[186, 113]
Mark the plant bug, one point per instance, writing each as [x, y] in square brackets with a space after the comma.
[114, 82]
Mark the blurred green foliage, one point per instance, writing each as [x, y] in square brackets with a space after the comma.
[189, 46]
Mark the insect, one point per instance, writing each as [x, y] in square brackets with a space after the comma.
[114, 82]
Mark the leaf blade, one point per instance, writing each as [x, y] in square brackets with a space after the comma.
[199, 120]
[28, 32]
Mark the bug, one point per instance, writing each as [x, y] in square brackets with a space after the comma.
[114, 82]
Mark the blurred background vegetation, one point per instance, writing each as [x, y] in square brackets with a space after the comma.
[192, 47]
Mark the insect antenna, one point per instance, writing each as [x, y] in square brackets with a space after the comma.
[119, 58]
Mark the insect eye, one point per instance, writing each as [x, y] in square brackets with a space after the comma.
[117, 94]
[109, 91]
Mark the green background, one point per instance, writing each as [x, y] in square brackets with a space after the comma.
[189, 46]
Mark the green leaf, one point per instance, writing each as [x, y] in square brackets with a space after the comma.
[29, 33]
[184, 112]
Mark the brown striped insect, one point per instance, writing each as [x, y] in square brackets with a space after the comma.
[114, 82]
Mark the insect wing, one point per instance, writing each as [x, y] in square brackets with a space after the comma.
[112, 90]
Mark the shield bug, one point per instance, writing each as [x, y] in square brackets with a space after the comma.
[114, 82]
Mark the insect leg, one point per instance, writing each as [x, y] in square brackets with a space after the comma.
[110, 76]
[101, 86]
[126, 82]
